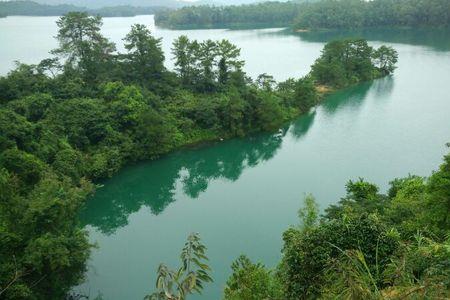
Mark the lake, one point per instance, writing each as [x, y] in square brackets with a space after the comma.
[241, 194]
[29, 40]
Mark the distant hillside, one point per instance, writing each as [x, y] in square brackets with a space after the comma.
[258, 15]
[310, 14]
[109, 3]
[30, 8]
[146, 3]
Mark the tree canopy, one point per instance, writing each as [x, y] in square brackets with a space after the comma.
[32, 8]
[311, 15]
[338, 14]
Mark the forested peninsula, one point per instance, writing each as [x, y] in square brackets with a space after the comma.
[312, 15]
[83, 114]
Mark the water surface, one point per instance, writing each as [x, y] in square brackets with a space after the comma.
[30, 39]
[243, 193]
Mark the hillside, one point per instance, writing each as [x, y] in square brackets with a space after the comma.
[30, 8]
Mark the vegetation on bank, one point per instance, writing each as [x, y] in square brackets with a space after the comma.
[312, 15]
[332, 14]
[266, 14]
[368, 246]
[80, 116]
[30, 8]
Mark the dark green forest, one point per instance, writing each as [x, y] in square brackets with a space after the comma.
[84, 113]
[266, 14]
[332, 14]
[30, 8]
[312, 15]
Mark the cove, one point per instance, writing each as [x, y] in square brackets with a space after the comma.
[241, 194]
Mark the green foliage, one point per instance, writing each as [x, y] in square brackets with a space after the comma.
[16, 131]
[206, 66]
[362, 197]
[268, 14]
[83, 121]
[299, 94]
[374, 246]
[83, 46]
[81, 116]
[31, 8]
[307, 254]
[406, 206]
[33, 107]
[145, 59]
[305, 94]
[23, 81]
[26, 166]
[269, 112]
[69, 162]
[324, 14]
[347, 62]
[251, 282]
[351, 278]
[153, 134]
[338, 14]
[228, 55]
[438, 202]
[43, 252]
[420, 271]
[385, 59]
[309, 213]
[189, 278]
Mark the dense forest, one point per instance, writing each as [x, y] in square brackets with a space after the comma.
[84, 113]
[324, 14]
[30, 8]
[136, 3]
[332, 14]
[367, 246]
[266, 14]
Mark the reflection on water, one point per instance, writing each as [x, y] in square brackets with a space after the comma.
[302, 125]
[383, 87]
[153, 184]
[350, 97]
[242, 194]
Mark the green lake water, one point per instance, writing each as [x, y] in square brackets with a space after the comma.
[241, 194]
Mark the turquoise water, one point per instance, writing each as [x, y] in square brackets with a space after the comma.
[240, 195]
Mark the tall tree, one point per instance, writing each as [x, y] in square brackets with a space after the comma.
[185, 52]
[228, 60]
[82, 45]
[145, 56]
[207, 56]
[385, 59]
